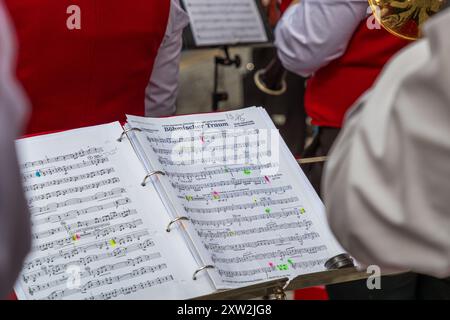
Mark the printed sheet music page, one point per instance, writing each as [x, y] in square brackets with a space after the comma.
[97, 233]
[225, 22]
[250, 206]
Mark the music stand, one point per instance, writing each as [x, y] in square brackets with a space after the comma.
[205, 31]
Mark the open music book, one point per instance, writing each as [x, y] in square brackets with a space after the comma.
[102, 201]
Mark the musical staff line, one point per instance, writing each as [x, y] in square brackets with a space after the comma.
[241, 193]
[270, 227]
[290, 252]
[98, 196]
[55, 244]
[222, 170]
[59, 294]
[64, 192]
[97, 272]
[74, 227]
[242, 219]
[80, 249]
[63, 169]
[226, 158]
[70, 156]
[251, 272]
[261, 243]
[132, 289]
[235, 207]
[193, 149]
[58, 182]
[76, 213]
[223, 183]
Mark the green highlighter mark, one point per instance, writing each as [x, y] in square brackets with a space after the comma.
[247, 172]
[267, 210]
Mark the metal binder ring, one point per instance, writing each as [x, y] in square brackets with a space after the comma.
[194, 277]
[144, 182]
[175, 221]
[125, 132]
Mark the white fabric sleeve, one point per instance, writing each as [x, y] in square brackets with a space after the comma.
[162, 90]
[313, 33]
[14, 215]
[387, 182]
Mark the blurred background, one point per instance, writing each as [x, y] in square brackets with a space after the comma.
[197, 86]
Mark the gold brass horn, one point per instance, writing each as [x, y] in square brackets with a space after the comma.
[405, 18]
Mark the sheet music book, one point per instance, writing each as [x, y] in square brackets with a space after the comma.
[178, 208]
[226, 22]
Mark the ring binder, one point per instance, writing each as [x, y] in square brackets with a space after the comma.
[151, 174]
[125, 132]
[174, 221]
[341, 261]
[194, 277]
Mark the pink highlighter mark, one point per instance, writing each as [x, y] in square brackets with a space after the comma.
[271, 264]
[216, 195]
[267, 179]
[202, 139]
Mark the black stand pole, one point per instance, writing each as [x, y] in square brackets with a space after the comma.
[226, 61]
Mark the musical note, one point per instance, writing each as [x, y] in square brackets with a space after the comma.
[96, 245]
[60, 193]
[58, 182]
[65, 169]
[245, 206]
[242, 193]
[220, 171]
[58, 243]
[270, 269]
[215, 159]
[98, 196]
[245, 219]
[270, 227]
[96, 272]
[261, 243]
[96, 222]
[70, 156]
[131, 289]
[267, 255]
[59, 294]
[76, 213]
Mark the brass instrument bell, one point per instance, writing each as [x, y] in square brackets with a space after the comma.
[405, 18]
[272, 79]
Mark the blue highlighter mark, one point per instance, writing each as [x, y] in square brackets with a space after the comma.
[38, 174]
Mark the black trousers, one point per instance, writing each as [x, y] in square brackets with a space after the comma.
[399, 287]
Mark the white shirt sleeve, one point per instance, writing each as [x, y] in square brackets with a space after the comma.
[162, 90]
[14, 216]
[313, 33]
[387, 182]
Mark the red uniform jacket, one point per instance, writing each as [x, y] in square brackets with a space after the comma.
[92, 75]
[336, 87]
